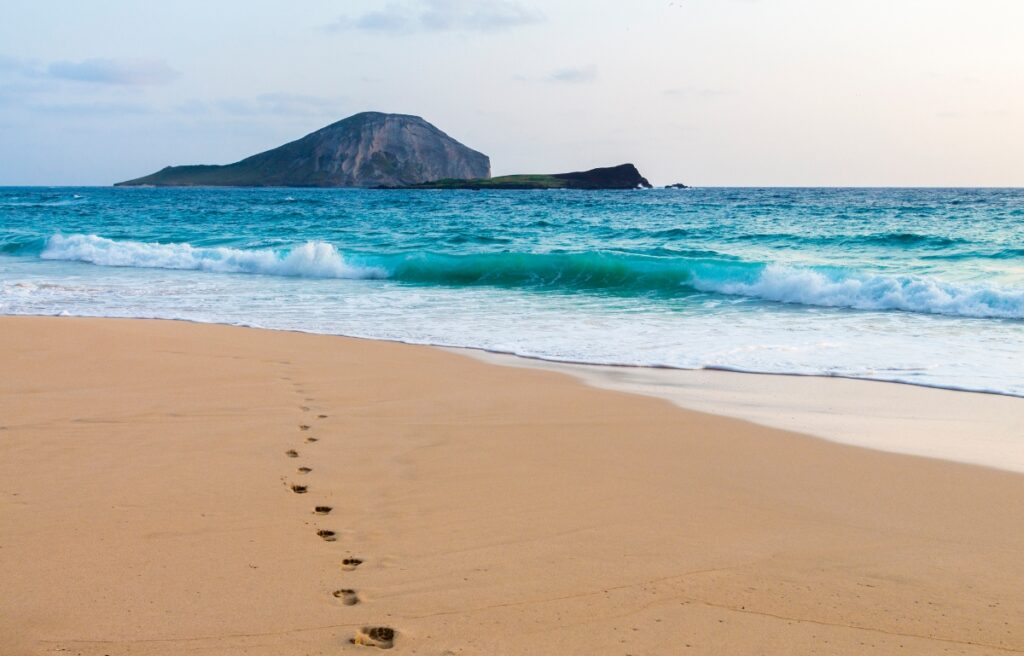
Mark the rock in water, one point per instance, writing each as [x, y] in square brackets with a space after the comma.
[370, 149]
[623, 176]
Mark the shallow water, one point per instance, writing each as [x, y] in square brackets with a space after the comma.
[922, 286]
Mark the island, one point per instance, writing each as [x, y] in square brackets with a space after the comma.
[379, 151]
[370, 149]
[623, 176]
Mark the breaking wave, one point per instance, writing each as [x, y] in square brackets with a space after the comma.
[311, 260]
[619, 273]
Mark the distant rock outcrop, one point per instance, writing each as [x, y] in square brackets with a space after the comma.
[624, 176]
[370, 149]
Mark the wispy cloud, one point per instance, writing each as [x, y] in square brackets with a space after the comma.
[122, 72]
[56, 88]
[87, 109]
[13, 65]
[574, 75]
[441, 16]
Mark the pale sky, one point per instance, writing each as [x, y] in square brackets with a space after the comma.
[706, 92]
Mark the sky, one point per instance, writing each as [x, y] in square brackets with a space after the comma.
[705, 92]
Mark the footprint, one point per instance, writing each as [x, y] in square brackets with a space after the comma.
[323, 510]
[330, 536]
[303, 427]
[321, 416]
[375, 636]
[292, 453]
[350, 564]
[299, 489]
[304, 470]
[312, 439]
[347, 596]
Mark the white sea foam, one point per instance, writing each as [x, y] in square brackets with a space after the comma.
[862, 291]
[923, 349]
[313, 259]
[777, 283]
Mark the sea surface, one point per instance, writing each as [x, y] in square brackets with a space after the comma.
[922, 286]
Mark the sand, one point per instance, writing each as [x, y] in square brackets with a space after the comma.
[146, 507]
[972, 427]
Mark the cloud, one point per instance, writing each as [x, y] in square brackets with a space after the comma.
[17, 66]
[392, 18]
[441, 16]
[122, 72]
[85, 109]
[574, 75]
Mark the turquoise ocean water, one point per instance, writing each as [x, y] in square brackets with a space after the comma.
[923, 286]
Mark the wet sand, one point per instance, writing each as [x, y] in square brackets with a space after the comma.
[159, 486]
[976, 428]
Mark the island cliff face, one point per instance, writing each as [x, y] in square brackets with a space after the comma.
[370, 149]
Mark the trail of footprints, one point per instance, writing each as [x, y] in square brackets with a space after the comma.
[382, 637]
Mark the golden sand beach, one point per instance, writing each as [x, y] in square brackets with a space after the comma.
[174, 488]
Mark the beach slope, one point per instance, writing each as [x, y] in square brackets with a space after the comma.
[159, 480]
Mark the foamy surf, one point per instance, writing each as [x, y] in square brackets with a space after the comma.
[312, 259]
[863, 291]
[585, 271]
[894, 285]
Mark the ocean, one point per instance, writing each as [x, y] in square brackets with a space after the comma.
[920, 286]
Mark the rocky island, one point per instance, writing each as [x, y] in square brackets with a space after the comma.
[371, 149]
[380, 151]
[624, 176]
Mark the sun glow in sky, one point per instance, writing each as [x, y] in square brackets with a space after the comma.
[708, 92]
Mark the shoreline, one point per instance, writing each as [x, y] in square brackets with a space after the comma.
[541, 360]
[747, 395]
[887, 416]
[149, 503]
